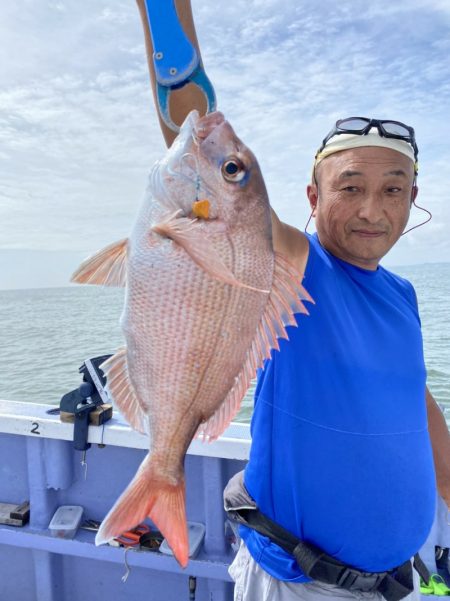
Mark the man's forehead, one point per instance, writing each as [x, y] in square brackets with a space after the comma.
[366, 159]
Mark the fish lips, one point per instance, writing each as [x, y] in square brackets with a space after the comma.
[204, 126]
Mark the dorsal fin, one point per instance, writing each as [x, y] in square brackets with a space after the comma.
[106, 267]
[286, 298]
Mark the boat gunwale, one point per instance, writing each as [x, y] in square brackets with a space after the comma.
[32, 419]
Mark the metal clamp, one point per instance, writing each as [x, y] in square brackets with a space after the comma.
[175, 59]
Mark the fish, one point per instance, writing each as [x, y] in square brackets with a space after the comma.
[206, 300]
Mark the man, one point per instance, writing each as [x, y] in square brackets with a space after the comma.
[341, 454]
[348, 389]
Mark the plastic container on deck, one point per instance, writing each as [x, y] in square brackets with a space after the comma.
[66, 520]
[196, 533]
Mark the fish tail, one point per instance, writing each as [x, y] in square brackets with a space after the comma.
[150, 495]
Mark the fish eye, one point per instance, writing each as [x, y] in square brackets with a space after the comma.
[233, 170]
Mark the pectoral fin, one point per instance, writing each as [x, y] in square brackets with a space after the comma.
[188, 234]
[107, 267]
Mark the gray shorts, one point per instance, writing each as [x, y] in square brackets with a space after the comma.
[252, 583]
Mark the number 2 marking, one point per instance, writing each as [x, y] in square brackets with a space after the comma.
[35, 428]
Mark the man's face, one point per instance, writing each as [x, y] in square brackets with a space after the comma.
[362, 202]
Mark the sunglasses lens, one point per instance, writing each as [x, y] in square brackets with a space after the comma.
[352, 124]
[397, 129]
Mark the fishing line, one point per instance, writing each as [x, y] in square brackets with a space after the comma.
[165, 169]
[85, 466]
[309, 219]
[317, 200]
[196, 178]
[127, 573]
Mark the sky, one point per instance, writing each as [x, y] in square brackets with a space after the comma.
[79, 133]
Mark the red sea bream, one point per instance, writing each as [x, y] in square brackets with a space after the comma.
[206, 300]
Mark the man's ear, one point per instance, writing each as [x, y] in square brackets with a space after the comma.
[313, 196]
[414, 192]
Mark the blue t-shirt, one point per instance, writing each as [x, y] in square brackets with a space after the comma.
[341, 455]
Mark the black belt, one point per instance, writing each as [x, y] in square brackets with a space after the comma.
[393, 585]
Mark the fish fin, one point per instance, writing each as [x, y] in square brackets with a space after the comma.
[121, 390]
[150, 495]
[286, 298]
[185, 232]
[106, 267]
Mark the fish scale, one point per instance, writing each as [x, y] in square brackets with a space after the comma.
[206, 301]
[200, 329]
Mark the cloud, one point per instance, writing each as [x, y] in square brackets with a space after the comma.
[78, 132]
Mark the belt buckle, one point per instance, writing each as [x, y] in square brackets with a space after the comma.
[354, 580]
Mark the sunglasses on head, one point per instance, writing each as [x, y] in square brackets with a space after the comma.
[361, 126]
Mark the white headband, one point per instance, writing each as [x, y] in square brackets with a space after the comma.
[346, 141]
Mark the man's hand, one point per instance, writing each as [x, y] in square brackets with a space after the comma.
[440, 441]
[290, 242]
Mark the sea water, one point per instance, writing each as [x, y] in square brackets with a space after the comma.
[46, 334]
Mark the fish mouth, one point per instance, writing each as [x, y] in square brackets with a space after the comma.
[197, 129]
[204, 126]
[183, 164]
